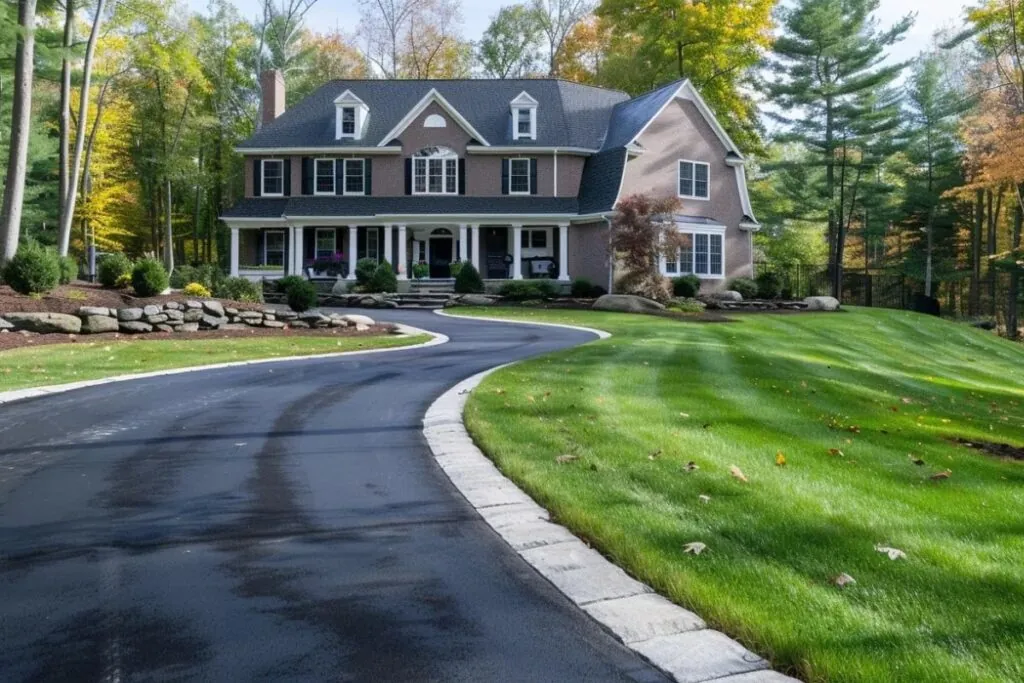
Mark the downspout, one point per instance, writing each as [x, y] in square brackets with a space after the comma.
[555, 191]
[611, 256]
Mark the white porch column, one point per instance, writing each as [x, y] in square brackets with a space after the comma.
[402, 266]
[234, 252]
[517, 252]
[353, 249]
[297, 259]
[387, 245]
[463, 246]
[289, 264]
[475, 254]
[563, 252]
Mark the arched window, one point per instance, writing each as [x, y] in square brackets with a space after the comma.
[435, 170]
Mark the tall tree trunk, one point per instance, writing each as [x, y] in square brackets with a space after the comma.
[991, 248]
[974, 300]
[21, 122]
[83, 112]
[65, 107]
[168, 230]
[929, 247]
[1014, 293]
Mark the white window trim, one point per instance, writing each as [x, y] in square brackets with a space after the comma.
[532, 135]
[341, 121]
[344, 176]
[444, 158]
[703, 230]
[535, 252]
[283, 250]
[316, 177]
[316, 241]
[375, 241]
[263, 178]
[679, 177]
[529, 188]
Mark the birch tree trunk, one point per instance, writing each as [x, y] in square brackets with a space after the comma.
[21, 122]
[68, 214]
[65, 107]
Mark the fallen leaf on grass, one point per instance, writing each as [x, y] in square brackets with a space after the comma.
[738, 473]
[654, 454]
[914, 459]
[843, 580]
[835, 451]
[691, 467]
[684, 415]
[704, 498]
[563, 459]
[695, 548]
[780, 459]
[938, 476]
[906, 400]
[893, 553]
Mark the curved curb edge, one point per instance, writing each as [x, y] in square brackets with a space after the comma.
[34, 392]
[673, 639]
[601, 334]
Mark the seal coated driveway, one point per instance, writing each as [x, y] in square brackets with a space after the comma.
[282, 521]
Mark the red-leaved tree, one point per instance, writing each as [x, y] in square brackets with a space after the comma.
[643, 230]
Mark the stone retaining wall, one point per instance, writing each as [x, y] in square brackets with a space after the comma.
[172, 316]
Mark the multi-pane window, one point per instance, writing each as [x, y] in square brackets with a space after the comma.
[324, 169]
[273, 248]
[523, 122]
[326, 242]
[519, 176]
[372, 244]
[435, 171]
[699, 253]
[348, 121]
[354, 176]
[534, 238]
[693, 180]
[273, 177]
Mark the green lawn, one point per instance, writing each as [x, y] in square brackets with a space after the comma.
[850, 400]
[59, 363]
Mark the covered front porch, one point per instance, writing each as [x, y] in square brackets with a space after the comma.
[423, 251]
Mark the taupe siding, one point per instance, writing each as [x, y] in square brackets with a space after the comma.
[588, 252]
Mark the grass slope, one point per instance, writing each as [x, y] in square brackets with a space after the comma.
[847, 399]
[59, 363]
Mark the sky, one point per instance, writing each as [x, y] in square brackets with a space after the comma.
[328, 15]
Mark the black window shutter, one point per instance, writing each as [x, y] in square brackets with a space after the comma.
[287, 163]
[257, 177]
[368, 176]
[339, 176]
[307, 175]
[462, 176]
[504, 176]
[408, 175]
[533, 176]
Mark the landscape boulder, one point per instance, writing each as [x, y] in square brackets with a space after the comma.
[126, 315]
[212, 322]
[156, 318]
[726, 295]
[476, 300]
[134, 327]
[822, 303]
[193, 304]
[96, 324]
[4, 325]
[627, 303]
[340, 288]
[273, 323]
[45, 323]
[192, 315]
[151, 310]
[174, 314]
[356, 319]
[188, 327]
[212, 307]
[93, 310]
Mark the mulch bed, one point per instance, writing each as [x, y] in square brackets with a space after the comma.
[1000, 450]
[11, 340]
[69, 298]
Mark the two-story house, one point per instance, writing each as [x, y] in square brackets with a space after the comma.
[520, 177]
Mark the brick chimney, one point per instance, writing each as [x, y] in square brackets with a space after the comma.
[272, 85]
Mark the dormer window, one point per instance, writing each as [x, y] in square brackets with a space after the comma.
[351, 117]
[524, 117]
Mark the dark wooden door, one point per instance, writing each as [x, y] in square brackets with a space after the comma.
[441, 257]
[495, 250]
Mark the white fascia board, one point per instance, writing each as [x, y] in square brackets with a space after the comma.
[394, 149]
[432, 96]
[247, 222]
[741, 183]
[525, 149]
[348, 97]
[524, 99]
[622, 179]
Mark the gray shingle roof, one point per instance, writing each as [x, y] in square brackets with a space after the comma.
[602, 175]
[403, 205]
[629, 117]
[568, 114]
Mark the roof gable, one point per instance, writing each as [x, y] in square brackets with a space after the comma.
[421, 106]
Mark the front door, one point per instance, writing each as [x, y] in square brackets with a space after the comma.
[495, 253]
[441, 257]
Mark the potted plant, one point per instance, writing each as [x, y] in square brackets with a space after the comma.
[420, 270]
[329, 266]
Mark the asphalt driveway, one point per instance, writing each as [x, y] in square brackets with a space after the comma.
[273, 522]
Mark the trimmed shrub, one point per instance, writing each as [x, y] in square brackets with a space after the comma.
[523, 290]
[365, 268]
[282, 284]
[68, 269]
[383, 279]
[685, 286]
[123, 281]
[197, 289]
[455, 268]
[769, 285]
[33, 270]
[208, 275]
[301, 295]
[111, 267]
[745, 286]
[149, 278]
[239, 289]
[468, 280]
[582, 288]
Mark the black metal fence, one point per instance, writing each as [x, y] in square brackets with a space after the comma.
[889, 289]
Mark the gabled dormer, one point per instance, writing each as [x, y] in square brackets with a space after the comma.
[351, 116]
[524, 117]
